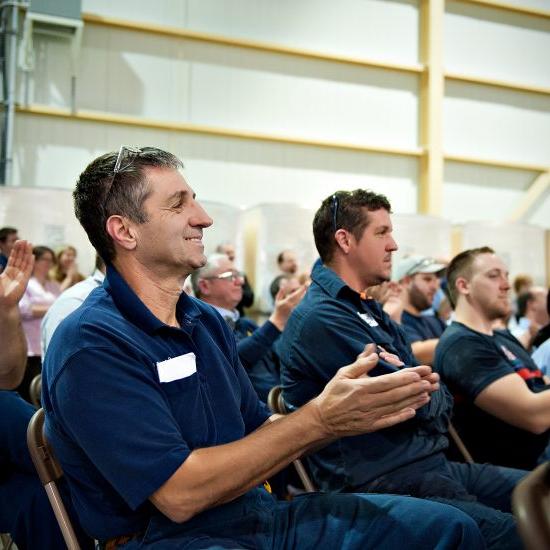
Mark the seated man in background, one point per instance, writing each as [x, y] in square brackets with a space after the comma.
[353, 235]
[532, 315]
[219, 284]
[247, 300]
[25, 511]
[160, 434]
[418, 276]
[501, 409]
[8, 237]
[68, 301]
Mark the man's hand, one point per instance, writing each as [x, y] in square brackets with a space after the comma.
[285, 304]
[389, 294]
[14, 279]
[353, 403]
[425, 371]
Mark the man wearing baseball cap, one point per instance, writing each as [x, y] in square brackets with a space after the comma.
[418, 278]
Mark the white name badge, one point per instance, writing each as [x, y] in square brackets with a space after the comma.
[177, 367]
[369, 319]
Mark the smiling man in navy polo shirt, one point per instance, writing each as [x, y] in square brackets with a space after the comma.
[160, 435]
[353, 235]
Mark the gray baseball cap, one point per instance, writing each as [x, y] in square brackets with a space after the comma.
[417, 264]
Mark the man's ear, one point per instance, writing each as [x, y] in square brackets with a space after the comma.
[462, 285]
[204, 287]
[343, 240]
[406, 281]
[122, 232]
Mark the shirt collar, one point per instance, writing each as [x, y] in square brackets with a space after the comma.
[328, 280]
[135, 311]
[233, 314]
[98, 276]
[334, 286]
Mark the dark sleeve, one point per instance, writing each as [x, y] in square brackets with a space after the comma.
[327, 341]
[116, 389]
[411, 332]
[440, 401]
[469, 364]
[253, 347]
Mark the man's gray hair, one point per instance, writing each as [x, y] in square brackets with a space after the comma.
[208, 269]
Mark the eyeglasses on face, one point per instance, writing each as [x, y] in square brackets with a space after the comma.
[227, 276]
[126, 157]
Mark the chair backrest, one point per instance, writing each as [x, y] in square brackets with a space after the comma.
[49, 472]
[276, 403]
[531, 506]
[35, 389]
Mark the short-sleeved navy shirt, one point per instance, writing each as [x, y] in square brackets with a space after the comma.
[469, 361]
[326, 331]
[118, 431]
[421, 327]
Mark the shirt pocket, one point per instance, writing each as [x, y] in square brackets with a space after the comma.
[190, 404]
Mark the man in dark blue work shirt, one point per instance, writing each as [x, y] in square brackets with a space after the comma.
[419, 282]
[502, 409]
[353, 234]
[161, 437]
[219, 284]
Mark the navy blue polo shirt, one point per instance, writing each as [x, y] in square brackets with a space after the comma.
[422, 327]
[469, 361]
[326, 331]
[118, 430]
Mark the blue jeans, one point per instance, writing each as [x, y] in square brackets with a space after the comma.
[317, 521]
[482, 491]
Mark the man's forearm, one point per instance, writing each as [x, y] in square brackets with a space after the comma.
[234, 468]
[424, 350]
[14, 353]
[350, 404]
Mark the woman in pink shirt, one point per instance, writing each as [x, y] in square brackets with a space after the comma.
[40, 295]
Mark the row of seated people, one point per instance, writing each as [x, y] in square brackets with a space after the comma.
[163, 440]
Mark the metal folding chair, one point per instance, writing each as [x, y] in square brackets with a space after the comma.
[531, 506]
[276, 403]
[460, 444]
[49, 472]
[35, 389]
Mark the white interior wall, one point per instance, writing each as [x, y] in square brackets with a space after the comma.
[380, 29]
[168, 79]
[521, 246]
[497, 44]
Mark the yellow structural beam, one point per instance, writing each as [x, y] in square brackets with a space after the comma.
[187, 34]
[432, 82]
[515, 86]
[535, 192]
[510, 7]
[497, 163]
[184, 127]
